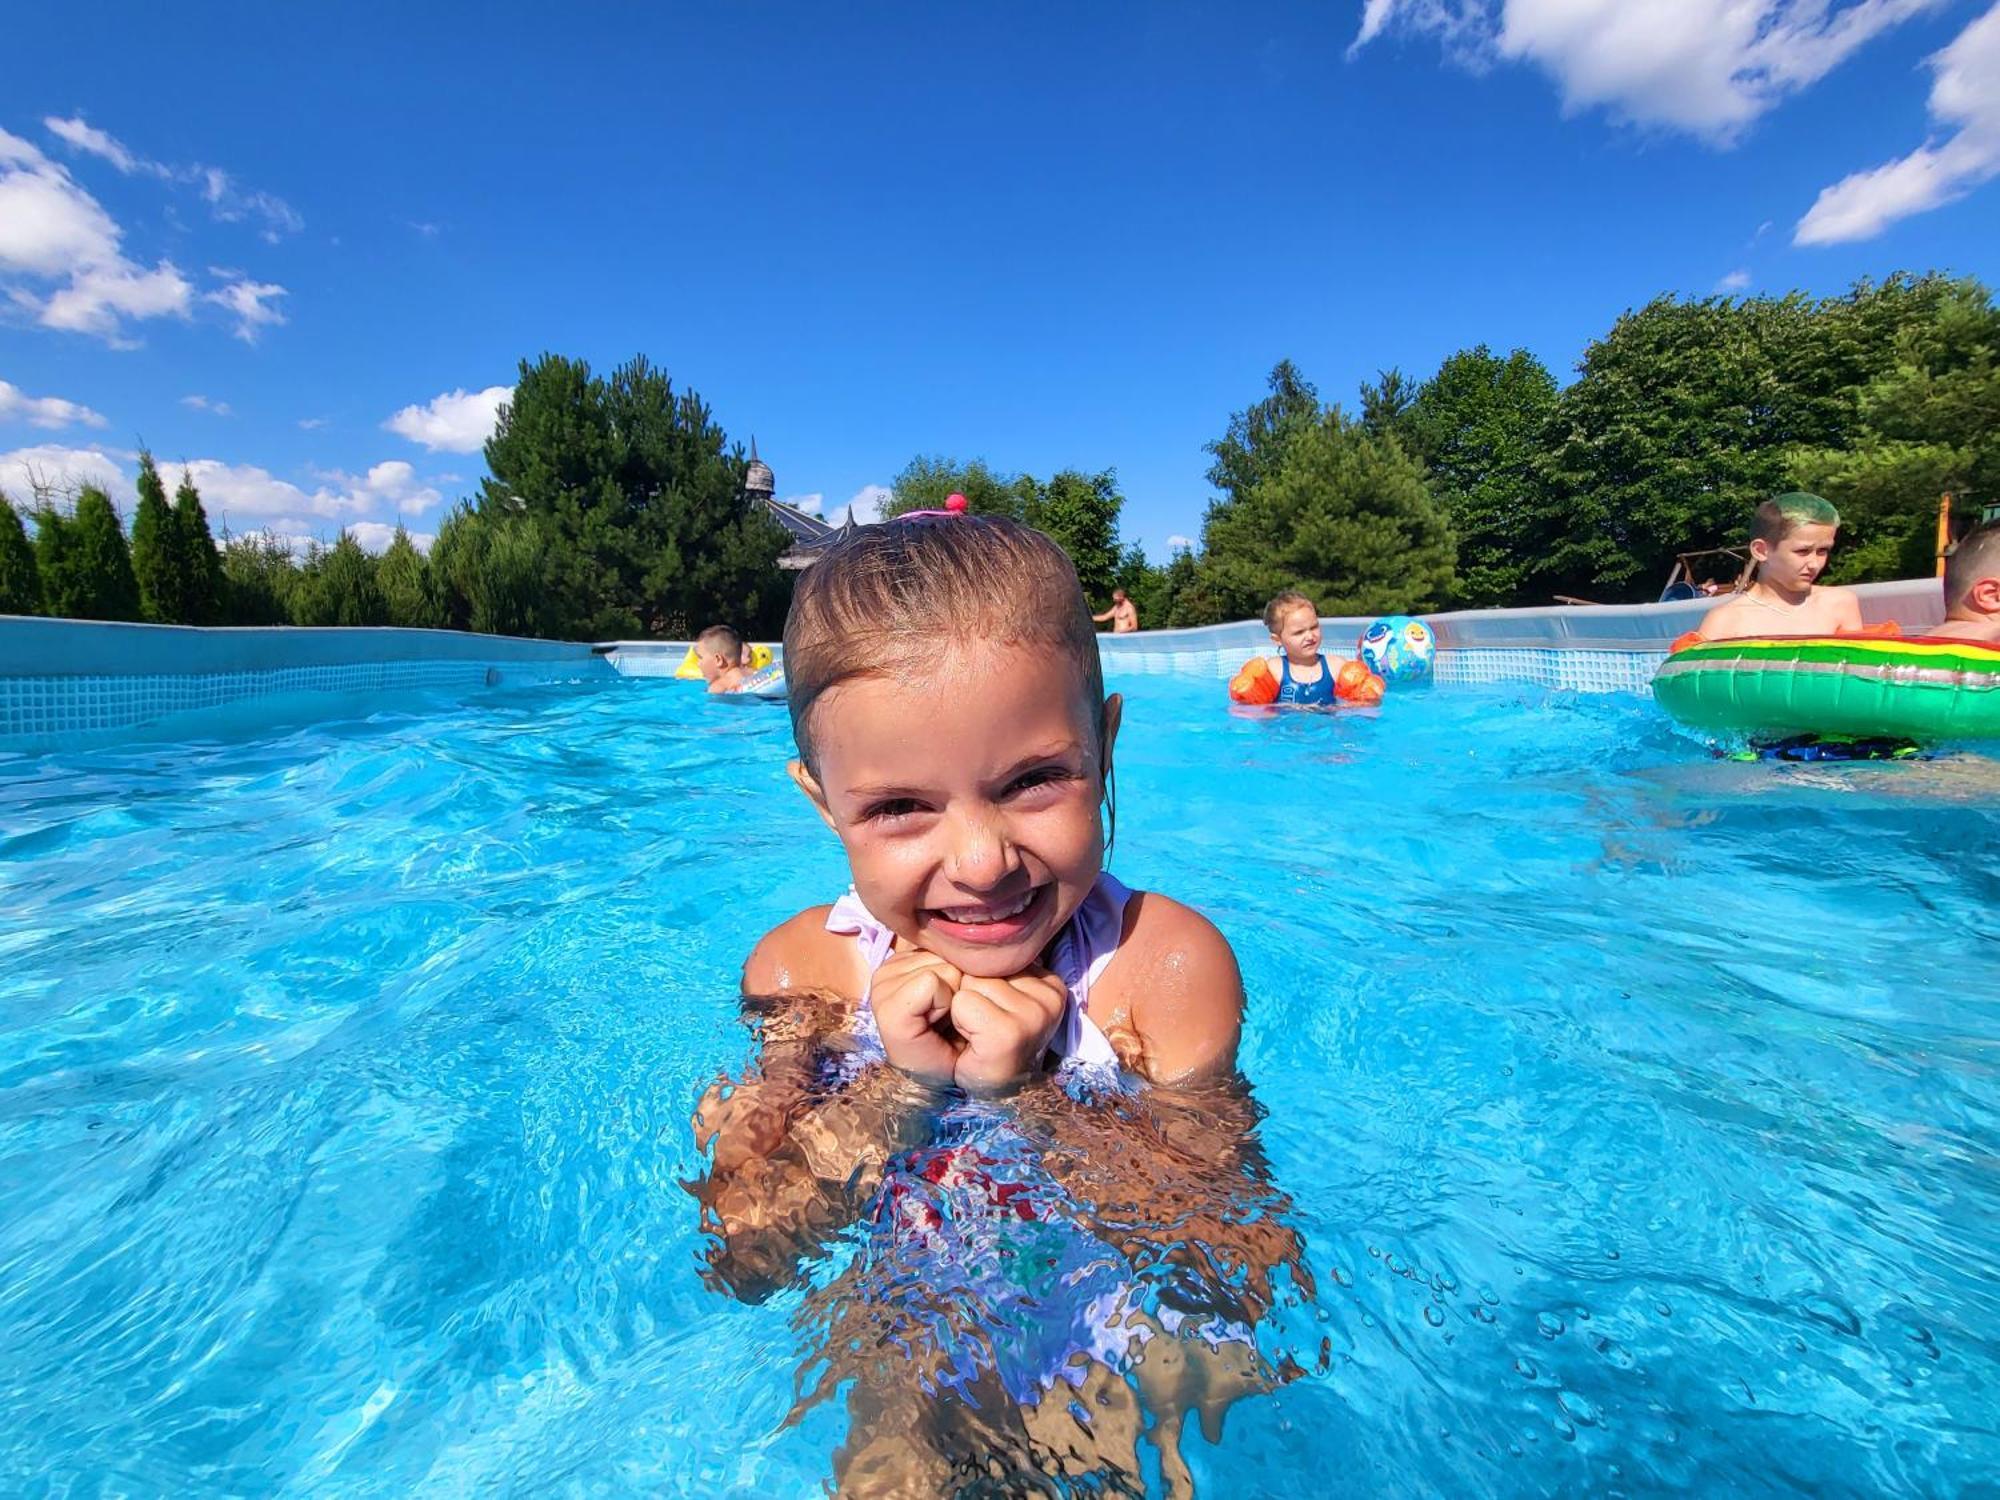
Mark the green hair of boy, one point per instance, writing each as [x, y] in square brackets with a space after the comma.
[1779, 518]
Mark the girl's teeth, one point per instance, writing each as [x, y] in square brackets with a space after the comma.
[975, 915]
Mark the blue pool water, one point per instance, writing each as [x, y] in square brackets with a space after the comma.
[1636, 1110]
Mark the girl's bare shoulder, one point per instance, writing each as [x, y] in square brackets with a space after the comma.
[799, 956]
[1176, 979]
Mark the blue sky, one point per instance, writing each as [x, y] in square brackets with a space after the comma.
[303, 251]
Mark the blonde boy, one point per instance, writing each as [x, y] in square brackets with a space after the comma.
[719, 652]
[1791, 539]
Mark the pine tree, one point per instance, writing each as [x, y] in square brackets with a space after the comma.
[339, 588]
[197, 563]
[405, 581]
[20, 580]
[259, 579]
[156, 549]
[85, 565]
[55, 552]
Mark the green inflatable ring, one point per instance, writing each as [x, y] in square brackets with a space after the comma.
[1836, 686]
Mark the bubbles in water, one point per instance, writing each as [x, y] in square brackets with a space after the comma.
[1549, 1324]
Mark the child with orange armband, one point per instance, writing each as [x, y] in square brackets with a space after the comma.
[1299, 675]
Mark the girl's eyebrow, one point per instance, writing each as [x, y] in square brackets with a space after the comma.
[876, 793]
[1055, 750]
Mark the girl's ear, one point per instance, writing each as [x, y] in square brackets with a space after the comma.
[1985, 594]
[807, 783]
[1761, 550]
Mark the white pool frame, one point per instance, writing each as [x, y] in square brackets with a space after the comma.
[65, 681]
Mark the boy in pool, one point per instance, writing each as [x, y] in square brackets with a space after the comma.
[1791, 539]
[933, 1042]
[721, 654]
[1304, 676]
[1972, 588]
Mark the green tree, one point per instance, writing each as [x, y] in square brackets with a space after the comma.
[405, 580]
[1386, 403]
[259, 577]
[638, 500]
[85, 565]
[1254, 447]
[927, 481]
[337, 587]
[20, 580]
[1192, 595]
[1346, 518]
[197, 562]
[156, 549]
[1679, 424]
[1478, 426]
[1080, 512]
[492, 575]
[1926, 422]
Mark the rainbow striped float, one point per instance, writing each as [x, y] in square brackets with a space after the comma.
[1835, 686]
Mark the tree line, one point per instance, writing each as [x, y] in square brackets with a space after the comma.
[613, 507]
[614, 504]
[1489, 484]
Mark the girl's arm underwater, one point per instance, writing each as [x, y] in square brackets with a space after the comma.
[794, 1157]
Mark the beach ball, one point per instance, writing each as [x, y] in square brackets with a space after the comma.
[1398, 648]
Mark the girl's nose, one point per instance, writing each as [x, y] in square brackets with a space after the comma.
[982, 855]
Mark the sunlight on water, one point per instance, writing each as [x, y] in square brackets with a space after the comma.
[1619, 1118]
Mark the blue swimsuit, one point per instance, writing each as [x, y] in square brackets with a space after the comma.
[1318, 693]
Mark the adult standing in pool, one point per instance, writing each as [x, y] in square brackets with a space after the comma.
[1123, 614]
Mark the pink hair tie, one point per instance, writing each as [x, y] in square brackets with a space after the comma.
[954, 505]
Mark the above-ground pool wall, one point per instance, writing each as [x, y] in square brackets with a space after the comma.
[60, 678]
[1595, 648]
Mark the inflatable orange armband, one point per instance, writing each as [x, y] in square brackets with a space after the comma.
[1352, 680]
[1367, 693]
[1254, 684]
[1881, 627]
[1684, 640]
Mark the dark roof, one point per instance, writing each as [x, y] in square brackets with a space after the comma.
[810, 535]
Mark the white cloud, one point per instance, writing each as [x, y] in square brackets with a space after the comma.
[1965, 99]
[1735, 281]
[202, 403]
[52, 230]
[238, 492]
[88, 138]
[811, 505]
[55, 472]
[456, 422]
[1706, 67]
[1180, 544]
[864, 506]
[229, 203]
[311, 424]
[16, 405]
[251, 302]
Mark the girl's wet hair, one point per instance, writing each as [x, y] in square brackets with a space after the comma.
[1282, 605]
[884, 602]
